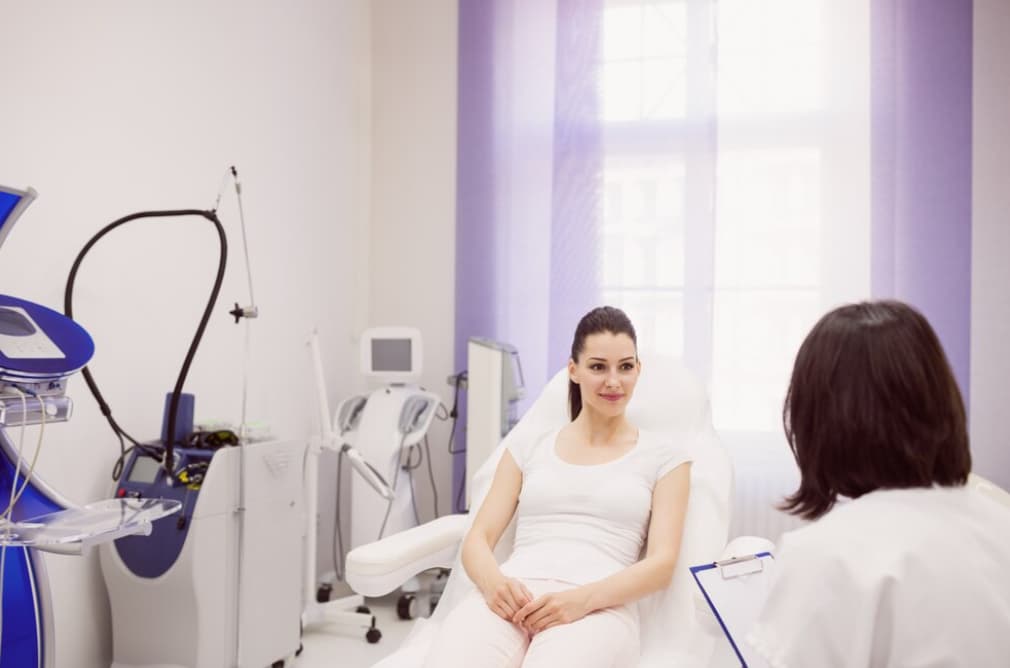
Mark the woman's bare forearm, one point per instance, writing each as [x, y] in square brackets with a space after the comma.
[480, 563]
[634, 582]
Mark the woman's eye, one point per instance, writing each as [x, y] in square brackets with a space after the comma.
[627, 366]
[596, 367]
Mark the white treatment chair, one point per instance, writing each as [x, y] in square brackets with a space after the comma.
[669, 400]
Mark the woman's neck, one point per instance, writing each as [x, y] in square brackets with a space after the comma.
[598, 429]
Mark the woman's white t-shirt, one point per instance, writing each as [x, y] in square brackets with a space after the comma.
[581, 523]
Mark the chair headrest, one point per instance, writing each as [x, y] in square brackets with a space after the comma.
[667, 398]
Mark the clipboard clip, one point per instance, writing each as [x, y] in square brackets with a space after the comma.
[737, 566]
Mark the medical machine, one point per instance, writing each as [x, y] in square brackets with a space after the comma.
[39, 350]
[494, 387]
[377, 434]
[220, 585]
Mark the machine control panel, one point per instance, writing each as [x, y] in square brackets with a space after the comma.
[144, 477]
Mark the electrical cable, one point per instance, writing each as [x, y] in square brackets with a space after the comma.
[431, 476]
[180, 381]
[396, 476]
[413, 494]
[338, 538]
[454, 414]
[459, 491]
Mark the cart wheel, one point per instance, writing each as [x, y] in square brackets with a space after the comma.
[363, 608]
[373, 635]
[406, 606]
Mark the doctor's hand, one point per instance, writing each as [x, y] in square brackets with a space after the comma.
[507, 597]
[563, 607]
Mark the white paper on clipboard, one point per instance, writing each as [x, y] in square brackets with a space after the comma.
[736, 590]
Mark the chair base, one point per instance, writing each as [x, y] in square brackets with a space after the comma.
[347, 615]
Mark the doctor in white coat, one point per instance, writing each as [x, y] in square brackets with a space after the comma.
[905, 565]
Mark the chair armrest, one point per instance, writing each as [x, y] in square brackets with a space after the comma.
[375, 569]
[744, 545]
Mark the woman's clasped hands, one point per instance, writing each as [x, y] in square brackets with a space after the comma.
[512, 601]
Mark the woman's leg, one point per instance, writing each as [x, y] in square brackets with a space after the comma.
[603, 639]
[471, 635]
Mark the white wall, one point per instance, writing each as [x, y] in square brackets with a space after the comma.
[990, 287]
[414, 196]
[123, 106]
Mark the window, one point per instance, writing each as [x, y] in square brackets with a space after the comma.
[735, 207]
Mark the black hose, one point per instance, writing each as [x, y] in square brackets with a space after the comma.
[180, 381]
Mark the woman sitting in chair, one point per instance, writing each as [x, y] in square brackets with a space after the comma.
[586, 498]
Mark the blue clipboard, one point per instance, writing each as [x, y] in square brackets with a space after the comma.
[735, 589]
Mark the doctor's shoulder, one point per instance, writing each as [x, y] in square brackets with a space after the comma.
[880, 526]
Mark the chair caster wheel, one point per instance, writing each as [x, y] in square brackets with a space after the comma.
[373, 635]
[406, 606]
[363, 608]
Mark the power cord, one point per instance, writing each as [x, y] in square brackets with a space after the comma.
[431, 477]
[338, 538]
[396, 476]
[457, 380]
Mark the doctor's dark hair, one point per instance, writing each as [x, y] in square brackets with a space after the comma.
[600, 319]
[872, 404]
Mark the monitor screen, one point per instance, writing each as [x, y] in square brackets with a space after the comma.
[391, 355]
[144, 470]
[12, 203]
[8, 201]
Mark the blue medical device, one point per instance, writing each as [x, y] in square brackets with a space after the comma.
[39, 350]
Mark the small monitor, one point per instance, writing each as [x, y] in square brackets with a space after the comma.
[391, 354]
[12, 204]
[144, 470]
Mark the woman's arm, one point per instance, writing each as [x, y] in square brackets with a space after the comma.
[504, 595]
[650, 574]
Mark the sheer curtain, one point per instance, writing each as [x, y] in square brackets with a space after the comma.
[737, 200]
[703, 165]
[528, 180]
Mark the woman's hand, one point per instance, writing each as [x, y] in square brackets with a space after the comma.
[507, 597]
[563, 607]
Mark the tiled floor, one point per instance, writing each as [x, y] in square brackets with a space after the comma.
[333, 647]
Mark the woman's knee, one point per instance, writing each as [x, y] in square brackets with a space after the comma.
[472, 635]
[605, 639]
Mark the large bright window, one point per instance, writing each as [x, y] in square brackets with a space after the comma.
[735, 184]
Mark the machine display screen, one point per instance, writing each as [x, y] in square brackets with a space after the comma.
[144, 470]
[391, 355]
[7, 203]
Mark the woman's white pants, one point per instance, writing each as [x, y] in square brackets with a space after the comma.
[473, 635]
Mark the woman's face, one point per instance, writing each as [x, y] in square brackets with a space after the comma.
[606, 372]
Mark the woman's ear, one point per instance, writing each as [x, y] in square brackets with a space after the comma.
[571, 371]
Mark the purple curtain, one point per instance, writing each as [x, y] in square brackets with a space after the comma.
[528, 180]
[921, 90]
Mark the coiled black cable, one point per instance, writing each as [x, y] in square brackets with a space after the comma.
[180, 381]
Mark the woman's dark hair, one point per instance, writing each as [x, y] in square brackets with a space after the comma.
[872, 404]
[600, 319]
